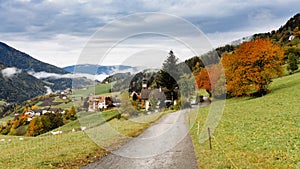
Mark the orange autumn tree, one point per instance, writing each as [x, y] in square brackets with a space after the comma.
[212, 80]
[202, 81]
[251, 67]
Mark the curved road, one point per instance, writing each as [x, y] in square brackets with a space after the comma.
[166, 144]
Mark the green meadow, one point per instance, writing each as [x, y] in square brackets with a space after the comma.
[96, 89]
[259, 132]
[71, 149]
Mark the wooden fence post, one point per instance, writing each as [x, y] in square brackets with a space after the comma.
[209, 138]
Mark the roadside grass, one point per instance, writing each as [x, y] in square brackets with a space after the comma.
[70, 149]
[254, 132]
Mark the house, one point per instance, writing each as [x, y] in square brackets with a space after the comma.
[116, 102]
[292, 37]
[148, 94]
[63, 96]
[99, 103]
[66, 92]
[135, 96]
[31, 113]
[93, 102]
[34, 113]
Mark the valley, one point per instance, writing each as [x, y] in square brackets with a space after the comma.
[53, 117]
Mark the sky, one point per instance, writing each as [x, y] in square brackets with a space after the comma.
[65, 32]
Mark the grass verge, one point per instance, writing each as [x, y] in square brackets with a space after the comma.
[255, 132]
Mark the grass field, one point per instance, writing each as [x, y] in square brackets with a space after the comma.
[97, 89]
[93, 119]
[255, 132]
[100, 89]
[70, 149]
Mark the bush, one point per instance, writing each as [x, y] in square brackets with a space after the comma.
[20, 131]
[185, 105]
[5, 131]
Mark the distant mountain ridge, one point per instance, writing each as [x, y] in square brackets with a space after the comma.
[98, 69]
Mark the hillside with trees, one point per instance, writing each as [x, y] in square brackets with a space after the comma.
[20, 86]
[251, 66]
[15, 58]
[285, 34]
[24, 85]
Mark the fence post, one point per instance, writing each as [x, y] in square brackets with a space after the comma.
[209, 138]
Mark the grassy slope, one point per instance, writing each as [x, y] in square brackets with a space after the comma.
[93, 118]
[255, 132]
[71, 149]
[97, 89]
[100, 89]
[5, 119]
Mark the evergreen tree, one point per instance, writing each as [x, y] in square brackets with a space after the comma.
[292, 62]
[167, 77]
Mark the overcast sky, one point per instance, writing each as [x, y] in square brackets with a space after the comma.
[56, 31]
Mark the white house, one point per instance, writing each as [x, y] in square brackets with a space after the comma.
[292, 37]
[102, 105]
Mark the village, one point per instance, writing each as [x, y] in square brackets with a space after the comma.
[46, 106]
[142, 97]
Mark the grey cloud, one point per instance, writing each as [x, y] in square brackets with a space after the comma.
[43, 19]
[35, 21]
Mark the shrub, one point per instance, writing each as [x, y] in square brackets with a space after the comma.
[20, 131]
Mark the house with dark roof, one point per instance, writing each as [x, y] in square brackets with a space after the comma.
[147, 94]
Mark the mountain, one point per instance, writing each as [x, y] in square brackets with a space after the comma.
[17, 85]
[97, 69]
[15, 58]
[132, 82]
[56, 78]
[63, 83]
[284, 33]
[116, 77]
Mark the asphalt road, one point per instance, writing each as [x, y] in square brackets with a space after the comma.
[166, 144]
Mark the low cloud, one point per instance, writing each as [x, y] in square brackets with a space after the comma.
[41, 75]
[10, 72]
[49, 90]
[132, 70]
[99, 77]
